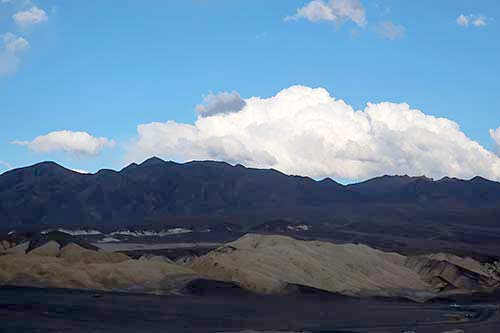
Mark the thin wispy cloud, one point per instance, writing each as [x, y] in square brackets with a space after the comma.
[32, 16]
[338, 11]
[391, 31]
[11, 47]
[473, 20]
[80, 143]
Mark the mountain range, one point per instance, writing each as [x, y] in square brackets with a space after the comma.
[202, 193]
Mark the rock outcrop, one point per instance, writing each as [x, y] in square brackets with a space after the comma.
[447, 272]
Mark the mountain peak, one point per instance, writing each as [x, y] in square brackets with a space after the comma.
[449, 179]
[131, 166]
[47, 167]
[479, 179]
[152, 161]
[329, 181]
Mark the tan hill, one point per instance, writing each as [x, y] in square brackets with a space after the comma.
[76, 267]
[49, 249]
[259, 263]
[73, 253]
[18, 249]
[266, 264]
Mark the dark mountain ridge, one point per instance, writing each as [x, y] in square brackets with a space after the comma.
[157, 191]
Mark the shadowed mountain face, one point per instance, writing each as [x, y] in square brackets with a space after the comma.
[158, 192]
[447, 192]
[50, 194]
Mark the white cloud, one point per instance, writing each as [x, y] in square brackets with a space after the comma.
[463, 20]
[34, 15]
[306, 131]
[10, 48]
[13, 43]
[495, 135]
[224, 102]
[80, 143]
[475, 20]
[390, 30]
[338, 11]
[480, 21]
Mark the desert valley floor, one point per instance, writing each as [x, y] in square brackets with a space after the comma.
[257, 283]
[58, 310]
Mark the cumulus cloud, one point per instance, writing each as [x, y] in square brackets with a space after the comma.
[495, 135]
[34, 15]
[306, 131]
[11, 46]
[338, 11]
[474, 20]
[80, 143]
[224, 102]
[390, 30]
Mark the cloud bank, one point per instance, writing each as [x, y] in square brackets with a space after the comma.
[306, 131]
[80, 143]
[338, 11]
[224, 102]
[11, 46]
[32, 16]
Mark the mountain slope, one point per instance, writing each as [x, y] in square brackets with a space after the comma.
[47, 193]
[158, 192]
[269, 263]
[477, 192]
[266, 264]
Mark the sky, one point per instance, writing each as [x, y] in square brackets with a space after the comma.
[348, 89]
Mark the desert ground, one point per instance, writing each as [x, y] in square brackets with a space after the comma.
[59, 310]
[56, 282]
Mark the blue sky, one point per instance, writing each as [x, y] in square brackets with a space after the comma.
[104, 67]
